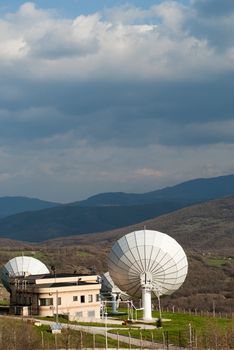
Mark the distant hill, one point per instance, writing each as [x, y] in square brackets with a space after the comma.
[189, 192]
[206, 226]
[106, 212]
[14, 205]
[206, 232]
[69, 220]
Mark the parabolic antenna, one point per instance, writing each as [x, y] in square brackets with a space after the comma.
[147, 261]
[108, 287]
[21, 266]
[108, 284]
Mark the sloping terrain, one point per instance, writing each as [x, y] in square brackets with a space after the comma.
[208, 225]
[68, 220]
[206, 231]
[109, 212]
[189, 192]
[13, 205]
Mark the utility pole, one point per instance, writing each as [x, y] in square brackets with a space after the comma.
[106, 330]
[57, 306]
[190, 337]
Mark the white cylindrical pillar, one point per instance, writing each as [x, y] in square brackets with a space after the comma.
[114, 303]
[146, 300]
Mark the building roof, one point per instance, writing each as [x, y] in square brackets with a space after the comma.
[65, 284]
[56, 281]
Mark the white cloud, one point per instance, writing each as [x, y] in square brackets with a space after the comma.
[129, 99]
[89, 47]
[172, 14]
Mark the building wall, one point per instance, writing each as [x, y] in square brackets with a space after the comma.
[77, 302]
[80, 301]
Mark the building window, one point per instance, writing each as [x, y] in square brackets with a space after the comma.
[75, 298]
[46, 301]
[91, 313]
[79, 314]
[90, 298]
[82, 298]
[97, 297]
[59, 301]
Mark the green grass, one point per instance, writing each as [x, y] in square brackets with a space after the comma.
[38, 254]
[78, 339]
[16, 332]
[177, 330]
[97, 324]
[4, 302]
[88, 324]
[84, 254]
[216, 262]
[207, 330]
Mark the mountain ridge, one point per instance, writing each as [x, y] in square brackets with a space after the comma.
[77, 218]
[10, 205]
[204, 230]
[190, 226]
[201, 189]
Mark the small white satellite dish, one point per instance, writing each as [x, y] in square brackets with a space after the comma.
[116, 294]
[21, 266]
[147, 261]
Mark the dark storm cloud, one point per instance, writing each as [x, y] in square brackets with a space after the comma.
[214, 21]
[114, 113]
[214, 7]
[91, 100]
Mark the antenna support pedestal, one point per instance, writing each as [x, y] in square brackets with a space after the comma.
[146, 285]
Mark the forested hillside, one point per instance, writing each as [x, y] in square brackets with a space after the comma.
[114, 210]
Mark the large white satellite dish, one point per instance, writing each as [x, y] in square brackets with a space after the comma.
[21, 266]
[147, 261]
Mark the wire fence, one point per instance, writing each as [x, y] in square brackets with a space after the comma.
[197, 312]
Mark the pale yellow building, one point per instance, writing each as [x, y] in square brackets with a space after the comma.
[74, 296]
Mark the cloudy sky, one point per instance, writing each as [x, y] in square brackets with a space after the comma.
[111, 95]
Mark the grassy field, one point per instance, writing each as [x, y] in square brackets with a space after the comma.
[180, 329]
[76, 339]
[22, 335]
[93, 324]
[218, 262]
[37, 254]
[177, 329]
